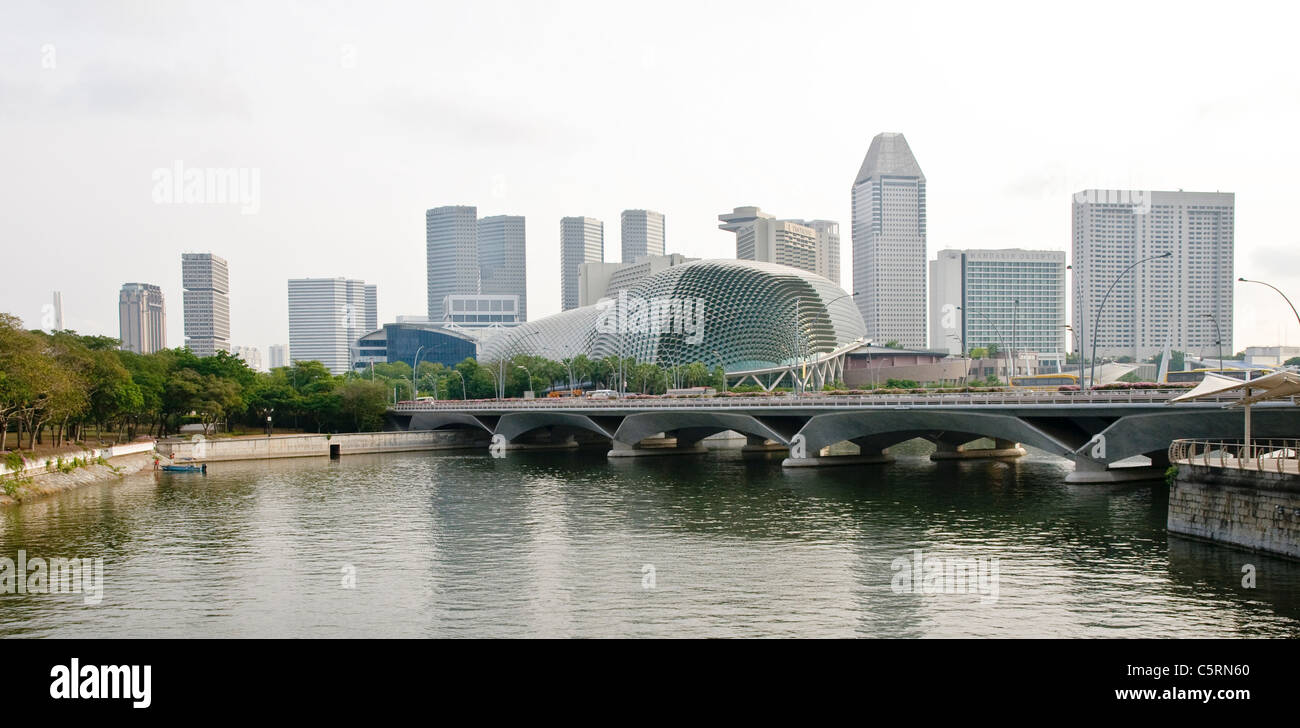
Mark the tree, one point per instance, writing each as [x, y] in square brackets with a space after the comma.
[363, 404]
[1292, 362]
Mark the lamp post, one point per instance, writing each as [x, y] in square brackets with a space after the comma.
[530, 375]
[415, 375]
[1003, 339]
[1078, 348]
[1279, 292]
[1218, 335]
[463, 388]
[1092, 380]
[965, 355]
[1015, 315]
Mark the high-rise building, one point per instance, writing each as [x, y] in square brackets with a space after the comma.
[251, 355]
[482, 310]
[1183, 301]
[57, 312]
[889, 258]
[501, 255]
[642, 234]
[811, 245]
[277, 356]
[452, 258]
[142, 318]
[1013, 299]
[582, 240]
[326, 318]
[206, 279]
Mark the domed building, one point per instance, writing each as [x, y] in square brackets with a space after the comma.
[757, 320]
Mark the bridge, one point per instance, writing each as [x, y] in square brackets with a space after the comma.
[1096, 430]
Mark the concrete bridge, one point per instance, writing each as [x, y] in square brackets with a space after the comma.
[1095, 430]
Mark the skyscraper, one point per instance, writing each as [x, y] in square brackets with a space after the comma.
[1011, 298]
[251, 355]
[326, 318]
[812, 245]
[277, 356]
[889, 257]
[501, 255]
[142, 318]
[57, 312]
[452, 260]
[206, 280]
[582, 240]
[1184, 300]
[642, 234]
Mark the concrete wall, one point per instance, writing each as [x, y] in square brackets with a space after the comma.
[1259, 511]
[44, 463]
[293, 446]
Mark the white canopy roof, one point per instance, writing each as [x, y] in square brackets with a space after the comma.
[1272, 386]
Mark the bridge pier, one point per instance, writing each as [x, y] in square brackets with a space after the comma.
[654, 446]
[947, 450]
[756, 446]
[867, 455]
[1092, 472]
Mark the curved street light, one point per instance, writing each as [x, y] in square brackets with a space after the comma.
[1092, 380]
[463, 396]
[1078, 350]
[530, 375]
[1002, 339]
[1218, 335]
[415, 375]
[1279, 292]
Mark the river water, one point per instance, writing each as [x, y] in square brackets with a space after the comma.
[568, 544]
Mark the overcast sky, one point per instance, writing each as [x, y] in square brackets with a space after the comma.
[359, 116]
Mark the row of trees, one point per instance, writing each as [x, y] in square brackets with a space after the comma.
[55, 386]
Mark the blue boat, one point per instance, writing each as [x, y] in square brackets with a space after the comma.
[185, 468]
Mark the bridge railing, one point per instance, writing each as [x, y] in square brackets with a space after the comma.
[1265, 455]
[818, 401]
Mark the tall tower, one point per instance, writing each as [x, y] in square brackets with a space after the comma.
[206, 279]
[326, 318]
[889, 260]
[582, 240]
[451, 248]
[501, 255]
[142, 318]
[642, 234]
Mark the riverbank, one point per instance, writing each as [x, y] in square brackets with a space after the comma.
[23, 489]
[333, 445]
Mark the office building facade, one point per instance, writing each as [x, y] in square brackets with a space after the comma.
[582, 240]
[326, 318]
[206, 300]
[142, 318]
[642, 234]
[1184, 301]
[889, 255]
[451, 254]
[502, 264]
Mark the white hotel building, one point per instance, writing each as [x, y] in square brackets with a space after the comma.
[1175, 301]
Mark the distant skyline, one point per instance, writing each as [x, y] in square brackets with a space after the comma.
[356, 124]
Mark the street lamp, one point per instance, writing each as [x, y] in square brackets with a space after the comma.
[1092, 380]
[1279, 292]
[415, 375]
[530, 375]
[1078, 350]
[1218, 336]
[463, 396]
[1003, 339]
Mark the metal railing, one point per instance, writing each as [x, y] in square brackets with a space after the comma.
[817, 401]
[1264, 455]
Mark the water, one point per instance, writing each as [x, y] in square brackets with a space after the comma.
[558, 544]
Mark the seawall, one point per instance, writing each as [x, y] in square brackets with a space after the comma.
[1247, 508]
[337, 445]
[36, 484]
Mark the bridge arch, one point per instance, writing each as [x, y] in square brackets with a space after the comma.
[636, 428]
[879, 425]
[1151, 433]
[518, 423]
[443, 420]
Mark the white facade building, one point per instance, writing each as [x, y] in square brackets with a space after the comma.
[326, 318]
[452, 259]
[251, 355]
[1183, 301]
[277, 356]
[206, 280]
[599, 280]
[483, 310]
[501, 256]
[1011, 298]
[889, 256]
[811, 245]
[142, 318]
[642, 234]
[582, 240]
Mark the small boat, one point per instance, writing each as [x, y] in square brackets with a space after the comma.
[185, 468]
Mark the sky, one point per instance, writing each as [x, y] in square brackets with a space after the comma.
[357, 117]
